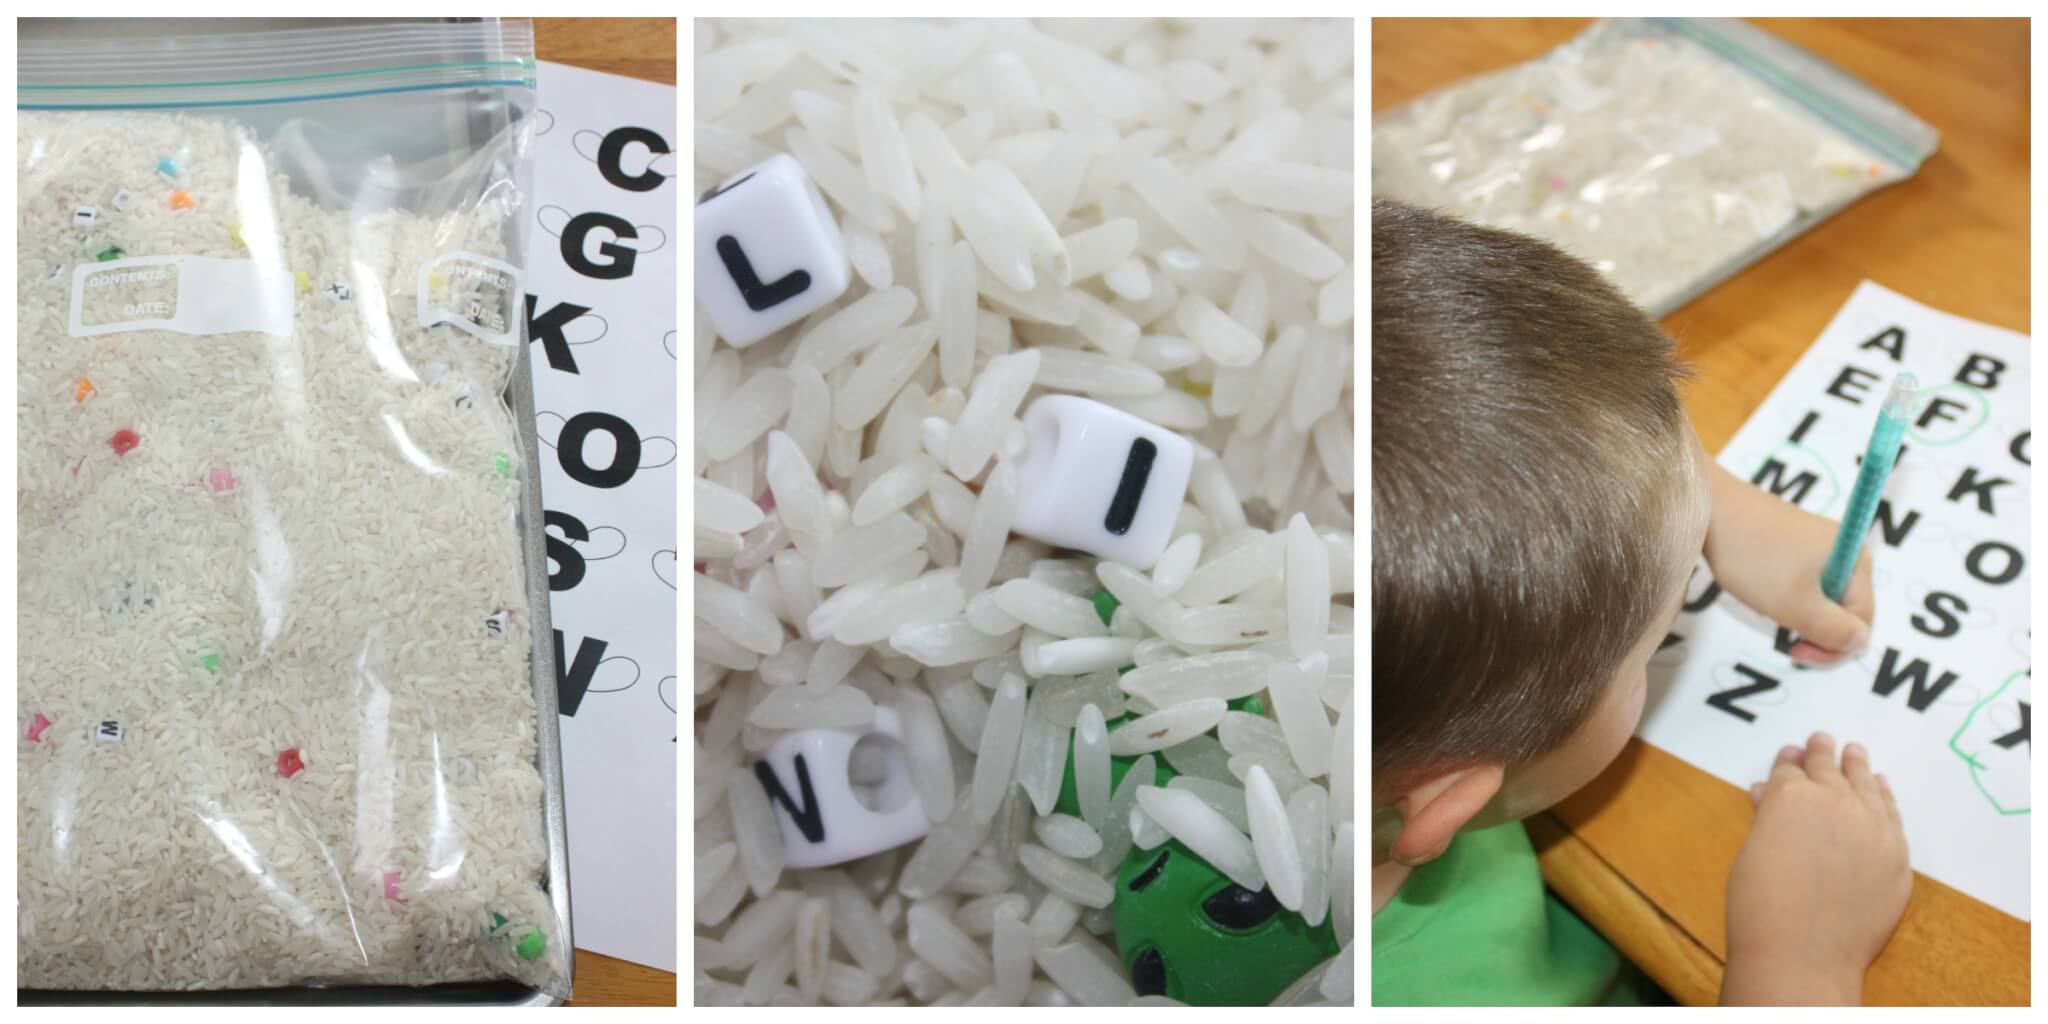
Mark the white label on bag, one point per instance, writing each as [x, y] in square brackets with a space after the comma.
[196, 295]
[476, 294]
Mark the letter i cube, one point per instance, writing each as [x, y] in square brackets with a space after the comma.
[1100, 480]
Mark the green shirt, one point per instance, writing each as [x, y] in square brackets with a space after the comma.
[1476, 927]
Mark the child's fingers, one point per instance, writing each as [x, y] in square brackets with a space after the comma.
[1856, 768]
[1756, 794]
[1820, 759]
[1786, 765]
[1860, 599]
[1832, 627]
[1891, 803]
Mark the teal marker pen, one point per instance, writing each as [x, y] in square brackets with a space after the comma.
[1877, 467]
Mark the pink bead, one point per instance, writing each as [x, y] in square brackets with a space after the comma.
[391, 886]
[38, 727]
[1557, 183]
[223, 481]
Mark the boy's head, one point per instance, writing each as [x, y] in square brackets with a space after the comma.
[1538, 501]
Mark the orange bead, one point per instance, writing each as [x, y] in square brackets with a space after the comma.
[85, 389]
[181, 200]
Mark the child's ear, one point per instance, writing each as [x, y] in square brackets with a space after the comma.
[1433, 812]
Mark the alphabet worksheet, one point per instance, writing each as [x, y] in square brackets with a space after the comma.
[1942, 695]
[601, 328]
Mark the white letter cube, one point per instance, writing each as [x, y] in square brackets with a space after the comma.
[768, 251]
[1100, 480]
[809, 781]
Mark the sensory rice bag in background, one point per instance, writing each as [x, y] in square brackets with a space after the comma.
[1667, 152]
[279, 722]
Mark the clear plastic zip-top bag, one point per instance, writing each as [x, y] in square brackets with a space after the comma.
[278, 720]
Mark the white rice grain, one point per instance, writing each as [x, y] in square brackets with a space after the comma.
[838, 178]
[1014, 949]
[1291, 187]
[1213, 838]
[1235, 567]
[1309, 810]
[1176, 563]
[1308, 590]
[933, 597]
[1068, 836]
[959, 284]
[724, 509]
[1166, 727]
[1042, 607]
[1220, 338]
[895, 489]
[1333, 303]
[1084, 975]
[1095, 250]
[1225, 798]
[736, 615]
[799, 500]
[955, 641]
[854, 921]
[937, 941]
[882, 373]
[1273, 840]
[862, 551]
[994, 769]
[854, 327]
[991, 404]
[869, 256]
[884, 153]
[993, 512]
[713, 864]
[1302, 719]
[765, 924]
[1091, 766]
[925, 752]
[1284, 242]
[798, 707]
[1041, 754]
[1181, 204]
[1064, 876]
[813, 947]
[1116, 822]
[1085, 654]
[1224, 675]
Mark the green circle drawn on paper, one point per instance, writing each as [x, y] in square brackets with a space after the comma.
[1976, 766]
[1920, 403]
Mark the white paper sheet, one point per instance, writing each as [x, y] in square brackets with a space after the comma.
[602, 319]
[1942, 695]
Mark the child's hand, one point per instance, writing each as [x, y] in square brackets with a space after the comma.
[1820, 883]
[1769, 554]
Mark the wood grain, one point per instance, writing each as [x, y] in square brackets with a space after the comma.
[1643, 853]
[635, 47]
[643, 48]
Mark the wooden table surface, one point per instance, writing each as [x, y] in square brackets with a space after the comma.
[1643, 852]
[637, 48]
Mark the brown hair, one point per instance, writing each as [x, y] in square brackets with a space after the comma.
[1528, 454]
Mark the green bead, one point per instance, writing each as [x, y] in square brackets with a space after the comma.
[211, 662]
[497, 925]
[504, 464]
[1249, 705]
[1185, 931]
[1105, 605]
[110, 254]
[531, 945]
